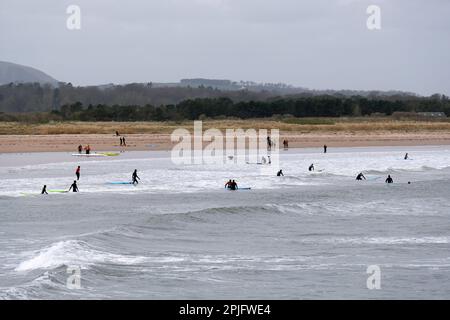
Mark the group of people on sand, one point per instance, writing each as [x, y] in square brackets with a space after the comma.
[87, 149]
[122, 140]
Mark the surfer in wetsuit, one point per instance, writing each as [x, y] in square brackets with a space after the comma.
[44, 190]
[234, 185]
[285, 144]
[228, 184]
[360, 176]
[280, 173]
[77, 173]
[325, 148]
[311, 167]
[406, 156]
[74, 186]
[80, 148]
[389, 179]
[134, 177]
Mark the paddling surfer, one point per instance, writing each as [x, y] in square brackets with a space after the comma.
[360, 176]
[74, 187]
[135, 177]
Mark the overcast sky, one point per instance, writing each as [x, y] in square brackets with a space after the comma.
[318, 44]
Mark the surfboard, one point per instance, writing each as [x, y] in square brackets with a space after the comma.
[109, 154]
[88, 155]
[120, 182]
[57, 191]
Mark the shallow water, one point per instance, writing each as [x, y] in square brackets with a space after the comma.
[179, 234]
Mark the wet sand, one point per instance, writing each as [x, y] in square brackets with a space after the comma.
[150, 141]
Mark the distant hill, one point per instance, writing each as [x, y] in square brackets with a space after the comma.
[16, 73]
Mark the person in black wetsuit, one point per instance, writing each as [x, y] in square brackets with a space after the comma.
[74, 187]
[228, 184]
[280, 173]
[325, 148]
[406, 156]
[44, 190]
[77, 172]
[134, 177]
[360, 176]
[389, 179]
[311, 167]
[234, 185]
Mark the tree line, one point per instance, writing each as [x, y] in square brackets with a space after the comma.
[201, 108]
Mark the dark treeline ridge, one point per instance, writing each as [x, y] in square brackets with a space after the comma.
[220, 108]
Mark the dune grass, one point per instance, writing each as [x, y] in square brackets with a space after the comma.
[300, 125]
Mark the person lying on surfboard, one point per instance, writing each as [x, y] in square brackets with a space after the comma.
[360, 176]
[134, 177]
[74, 186]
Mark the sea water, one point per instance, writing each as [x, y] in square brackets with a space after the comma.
[179, 234]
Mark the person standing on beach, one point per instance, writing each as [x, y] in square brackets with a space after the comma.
[389, 179]
[117, 133]
[134, 177]
[124, 144]
[74, 187]
[77, 173]
[121, 143]
[286, 144]
[325, 148]
[269, 143]
[44, 190]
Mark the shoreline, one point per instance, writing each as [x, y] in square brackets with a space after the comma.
[161, 142]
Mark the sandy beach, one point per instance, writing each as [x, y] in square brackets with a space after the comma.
[150, 141]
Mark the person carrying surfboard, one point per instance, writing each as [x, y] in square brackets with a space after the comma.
[77, 173]
[44, 190]
[135, 177]
[74, 186]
